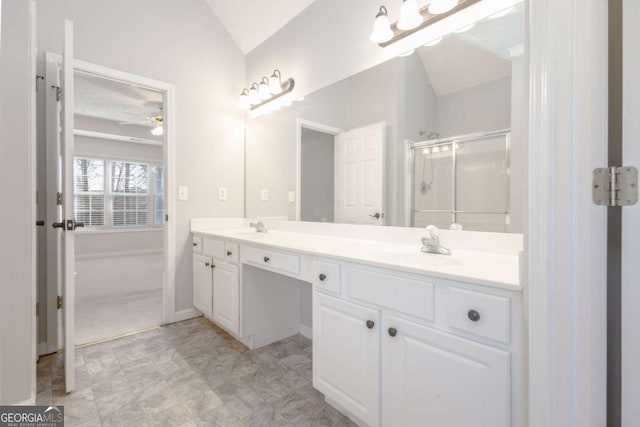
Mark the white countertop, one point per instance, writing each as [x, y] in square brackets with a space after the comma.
[500, 270]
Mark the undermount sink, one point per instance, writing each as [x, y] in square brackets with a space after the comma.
[419, 258]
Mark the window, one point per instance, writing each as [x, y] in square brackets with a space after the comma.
[131, 195]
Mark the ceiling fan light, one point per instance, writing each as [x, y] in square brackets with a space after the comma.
[275, 83]
[410, 16]
[381, 27]
[438, 7]
[157, 131]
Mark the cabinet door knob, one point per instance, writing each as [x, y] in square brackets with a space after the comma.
[322, 277]
[473, 315]
[207, 264]
[266, 259]
[213, 266]
[370, 324]
[392, 332]
[195, 244]
[229, 253]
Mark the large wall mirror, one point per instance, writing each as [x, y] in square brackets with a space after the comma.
[437, 136]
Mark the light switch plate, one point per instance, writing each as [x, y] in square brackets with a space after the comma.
[183, 193]
[292, 196]
[264, 194]
[222, 193]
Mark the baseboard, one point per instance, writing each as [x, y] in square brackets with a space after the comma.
[42, 348]
[306, 331]
[29, 402]
[186, 314]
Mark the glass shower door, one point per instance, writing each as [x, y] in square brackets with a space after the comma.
[433, 186]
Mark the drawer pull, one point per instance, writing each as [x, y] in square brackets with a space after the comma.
[370, 324]
[322, 277]
[195, 244]
[473, 315]
[229, 253]
[392, 332]
[266, 259]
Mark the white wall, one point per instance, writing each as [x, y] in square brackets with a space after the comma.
[17, 174]
[181, 43]
[479, 108]
[317, 181]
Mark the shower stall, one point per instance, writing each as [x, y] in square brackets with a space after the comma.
[463, 179]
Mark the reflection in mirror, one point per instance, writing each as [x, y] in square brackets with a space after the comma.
[435, 137]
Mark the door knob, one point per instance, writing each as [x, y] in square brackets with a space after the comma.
[392, 332]
[377, 215]
[40, 222]
[229, 253]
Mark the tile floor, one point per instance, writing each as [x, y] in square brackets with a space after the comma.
[117, 314]
[186, 374]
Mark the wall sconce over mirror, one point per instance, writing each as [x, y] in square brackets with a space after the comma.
[269, 89]
[413, 19]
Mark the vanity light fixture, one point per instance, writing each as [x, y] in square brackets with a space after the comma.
[410, 16]
[381, 27]
[413, 19]
[267, 90]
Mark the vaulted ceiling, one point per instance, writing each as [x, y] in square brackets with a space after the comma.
[250, 22]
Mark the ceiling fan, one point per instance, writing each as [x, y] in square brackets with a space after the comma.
[156, 121]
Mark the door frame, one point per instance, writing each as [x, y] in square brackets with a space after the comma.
[307, 124]
[169, 245]
[565, 285]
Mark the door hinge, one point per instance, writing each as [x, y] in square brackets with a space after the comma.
[615, 186]
[166, 217]
[37, 309]
[59, 198]
[60, 302]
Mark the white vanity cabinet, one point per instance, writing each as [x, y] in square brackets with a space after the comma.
[412, 352]
[216, 281]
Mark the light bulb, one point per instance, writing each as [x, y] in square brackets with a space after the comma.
[243, 102]
[157, 131]
[410, 16]
[433, 42]
[275, 83]
[263, 89]
[254, 96]
[436, 149]
[437, 7]
[381, 27]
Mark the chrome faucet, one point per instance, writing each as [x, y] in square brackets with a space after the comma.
[431, 243]
[259, 226]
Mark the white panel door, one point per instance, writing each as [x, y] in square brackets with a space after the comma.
[202, 284]
[436, 379]
[359, 183]
[68, 224]
[226, 295]
[631, 219]
[346, 355]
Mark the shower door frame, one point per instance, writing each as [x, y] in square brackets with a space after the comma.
[472, 137]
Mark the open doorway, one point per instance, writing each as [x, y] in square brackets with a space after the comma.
[122, 174]
[317, 180]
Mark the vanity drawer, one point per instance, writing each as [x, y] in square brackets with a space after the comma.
[401, 294]
[326, 276]
[197, 244]
[231, 252]
[272, 259]
[480, 314]
[213, 247]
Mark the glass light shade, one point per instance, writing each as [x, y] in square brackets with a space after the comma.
[263, 89]
[157, 131]
[407, 53]
[410, 16]
[381, 29]
[275, 85]
[254, 96]
[464, 29]
[437, 7]
[243, 102]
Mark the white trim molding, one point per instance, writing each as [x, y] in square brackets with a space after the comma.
[186, 314]
[567, 232]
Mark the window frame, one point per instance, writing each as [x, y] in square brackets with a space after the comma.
[151, 196]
